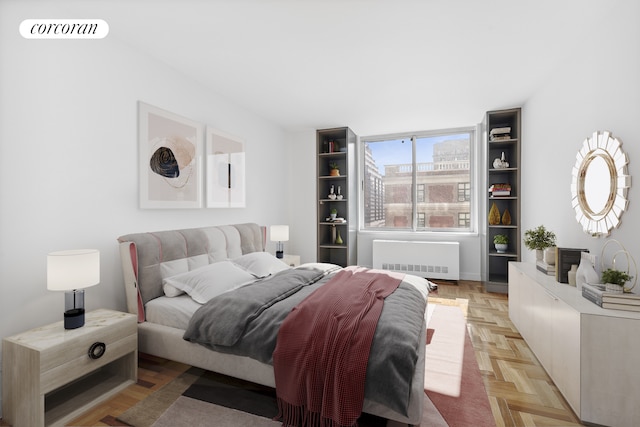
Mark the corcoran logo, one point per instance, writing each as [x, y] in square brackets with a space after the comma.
[64, 29]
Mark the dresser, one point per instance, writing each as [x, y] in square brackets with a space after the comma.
[591, 354]
[50, 375]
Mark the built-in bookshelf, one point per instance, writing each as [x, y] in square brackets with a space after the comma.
[503, 140]
[336, 192]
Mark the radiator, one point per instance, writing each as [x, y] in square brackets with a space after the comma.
[432, 260]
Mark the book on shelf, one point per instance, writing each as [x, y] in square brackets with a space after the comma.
[501, 189]
[337, 219]
[546, 268]
[593, 293]
[625, 298]
[500, 130]
[565, 258]
[504, 137]
[616, 306]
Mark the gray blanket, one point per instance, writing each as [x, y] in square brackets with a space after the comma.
[246, 322]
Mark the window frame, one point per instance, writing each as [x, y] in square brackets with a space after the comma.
[474, 183]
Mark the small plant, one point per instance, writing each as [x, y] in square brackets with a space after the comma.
[334, 165]
[539, 238]
[500, 239]
[333, 211]
[615, 277]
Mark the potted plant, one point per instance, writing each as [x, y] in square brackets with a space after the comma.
[501, 242]
[334, 169]
[539, 239]
[333, 213]
[614, 280]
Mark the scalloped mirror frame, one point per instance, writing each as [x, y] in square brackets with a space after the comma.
[599, 184]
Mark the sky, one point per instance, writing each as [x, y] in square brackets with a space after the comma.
[398, 151]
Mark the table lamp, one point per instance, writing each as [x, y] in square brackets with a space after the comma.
[72, 271]
[279, 233]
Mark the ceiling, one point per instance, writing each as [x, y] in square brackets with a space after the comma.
[376, 66]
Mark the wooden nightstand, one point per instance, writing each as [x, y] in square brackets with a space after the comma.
[291, 260]
[51, 374]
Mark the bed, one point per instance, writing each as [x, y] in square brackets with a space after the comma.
[155, 265]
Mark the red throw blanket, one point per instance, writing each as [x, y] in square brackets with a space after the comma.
[321, 355]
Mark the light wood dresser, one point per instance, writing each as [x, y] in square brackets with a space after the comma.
[591, 354]
[51, 375]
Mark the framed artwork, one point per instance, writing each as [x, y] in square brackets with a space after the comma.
[225, 177]
[170, 153]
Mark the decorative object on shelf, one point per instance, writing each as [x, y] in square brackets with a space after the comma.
[539, 239]
[494, 214]
[506, 217]
[586, 272]
[332, 194]
[630, 261]
[614, 280]
[279, 234]
[501, 162]
[549, 255]
[339, 240]
[600, 183]
[571, 274]
[72, 271]
[333, 213]
[501, 242]
[334, 169]
[565, 258]
[339, 195]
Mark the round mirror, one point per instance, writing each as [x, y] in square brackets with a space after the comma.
[599, 185]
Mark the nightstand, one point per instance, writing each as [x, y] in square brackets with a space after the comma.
[291, 260]
[51, 375]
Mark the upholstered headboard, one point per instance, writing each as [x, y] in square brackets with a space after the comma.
[149, 257]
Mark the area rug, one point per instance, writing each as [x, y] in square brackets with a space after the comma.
[454, 390]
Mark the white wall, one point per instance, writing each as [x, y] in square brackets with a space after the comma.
[596, 88]
[69, 164]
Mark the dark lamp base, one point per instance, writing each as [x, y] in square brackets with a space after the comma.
[279, 254]
[74, 318]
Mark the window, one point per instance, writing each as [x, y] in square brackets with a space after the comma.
[418, 181]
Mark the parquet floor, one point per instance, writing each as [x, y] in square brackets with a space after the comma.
[520, 391]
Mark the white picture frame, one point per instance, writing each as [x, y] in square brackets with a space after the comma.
[225, 182]
[170, 159]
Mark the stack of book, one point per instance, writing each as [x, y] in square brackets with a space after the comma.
[596, 294]
[498, 190]
[500, 133]
[548, 269]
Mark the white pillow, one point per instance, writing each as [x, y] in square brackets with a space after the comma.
[207, 282]
[262, 264]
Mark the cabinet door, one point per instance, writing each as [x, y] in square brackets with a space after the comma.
[542, 310]
[565, 352]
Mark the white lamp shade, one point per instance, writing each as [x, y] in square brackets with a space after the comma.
[73, 269]
[279, 233]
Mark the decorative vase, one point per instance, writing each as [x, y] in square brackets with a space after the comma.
[612, 288]
[586, 272]
[539, 255]
[506, 217]
[333, 216]
[571, 274]
[339, 239]
[334, 172]
[550, 255]
[494, 214]
[501, 247]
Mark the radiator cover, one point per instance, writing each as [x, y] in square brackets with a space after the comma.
[432, 260]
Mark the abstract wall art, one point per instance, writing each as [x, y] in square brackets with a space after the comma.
[170, 148]
[225, 178]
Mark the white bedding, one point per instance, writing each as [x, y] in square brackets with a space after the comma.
[174, 312]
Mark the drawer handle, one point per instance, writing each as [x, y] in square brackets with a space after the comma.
[97, 350]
